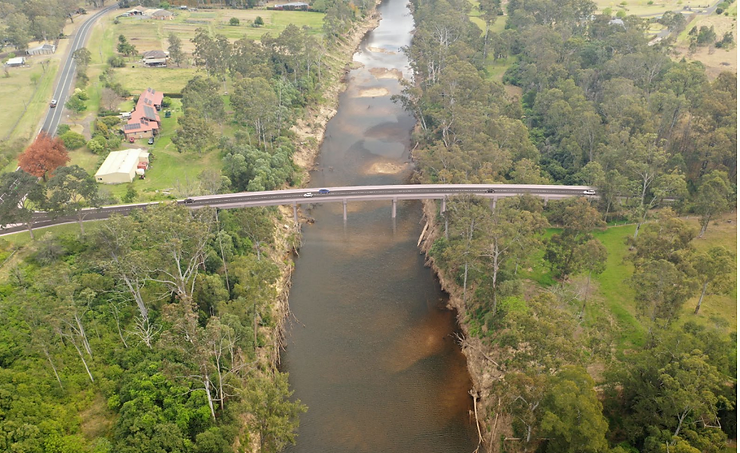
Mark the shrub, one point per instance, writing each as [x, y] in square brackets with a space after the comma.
[75, 104]
[116, 62]
[110, 121]
[258, 22]
[72, 140]
[166, 101]
[62, 129]
[98, 145]
[234, 21]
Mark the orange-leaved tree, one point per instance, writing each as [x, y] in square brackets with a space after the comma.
[43, 156]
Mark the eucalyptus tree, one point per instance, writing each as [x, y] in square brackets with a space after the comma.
[71, 192]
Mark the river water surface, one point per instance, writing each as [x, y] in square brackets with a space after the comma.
[371, 348]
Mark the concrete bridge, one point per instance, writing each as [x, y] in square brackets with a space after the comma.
[344, 195]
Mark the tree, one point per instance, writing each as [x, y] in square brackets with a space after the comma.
[71, 190]
[258, 21]
[175, 49]
[661, 288]
[234, 21]
[712, 198]
[255, 103]
[195, 133]
[18, 28]
[509, 234]
[82, 58]
[572, 420]
[567, 251]
[274, 415]
[17, 191]
[715, 268]
[201, 94]
[125, 47]
[43, 156]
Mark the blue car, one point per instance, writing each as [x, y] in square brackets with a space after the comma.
[323, 191]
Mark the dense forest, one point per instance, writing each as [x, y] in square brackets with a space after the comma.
[161, 331]
[598, 106]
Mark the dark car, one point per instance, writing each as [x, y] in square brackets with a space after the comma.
[151, 140]
[53, 103]
[323, 191]
[490, 191]
[189, 200]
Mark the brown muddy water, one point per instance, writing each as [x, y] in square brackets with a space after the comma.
[371, 348]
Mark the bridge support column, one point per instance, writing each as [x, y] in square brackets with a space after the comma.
[493, 204]
[444, 205]
[393, 214]
[545, 198]
[344, 210]
[295, 213]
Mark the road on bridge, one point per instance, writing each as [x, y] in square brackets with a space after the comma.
[295, 197]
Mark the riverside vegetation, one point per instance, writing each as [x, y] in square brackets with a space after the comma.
[554, 369]
[161, 330]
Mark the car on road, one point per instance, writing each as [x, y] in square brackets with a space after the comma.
[53, 103]
[589, 192]
[151, 140]
[490, 191]
[189, 200]
[308, 195]
[323, 191]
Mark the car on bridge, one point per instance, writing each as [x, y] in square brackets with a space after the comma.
[323, 191]
[308, 195]
[589, 192]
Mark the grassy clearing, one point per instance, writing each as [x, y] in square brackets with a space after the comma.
[148, 34]
[168, 80]
[23, 239]
[615, 289]
[18, 93]
[645, 7]
[614, 297]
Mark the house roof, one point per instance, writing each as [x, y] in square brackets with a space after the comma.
[162, 12]
[144, 118]
[120, 162]
[51, 47]
[16, 60]
[155, 54]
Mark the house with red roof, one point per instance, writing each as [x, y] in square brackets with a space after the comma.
[144, 119]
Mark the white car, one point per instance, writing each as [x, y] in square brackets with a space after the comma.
[308, 195]
[589, 192]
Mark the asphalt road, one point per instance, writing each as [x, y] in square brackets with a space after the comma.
[67, 74]
[335, 194]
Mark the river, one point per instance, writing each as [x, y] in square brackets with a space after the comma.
[371, 348]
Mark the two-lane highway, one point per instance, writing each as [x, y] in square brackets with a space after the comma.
[67, 75]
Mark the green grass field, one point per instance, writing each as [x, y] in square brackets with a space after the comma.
[19, 93]
[614, 296]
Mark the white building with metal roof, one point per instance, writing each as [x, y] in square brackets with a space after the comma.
[120, 166]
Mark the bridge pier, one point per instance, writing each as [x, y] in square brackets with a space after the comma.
[344, 210]
[295, 213]
[545, 198]
[493, 204]
[393, 214]
[444, 205]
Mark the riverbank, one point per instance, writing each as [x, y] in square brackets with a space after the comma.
[311, 128]
[482, 363]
